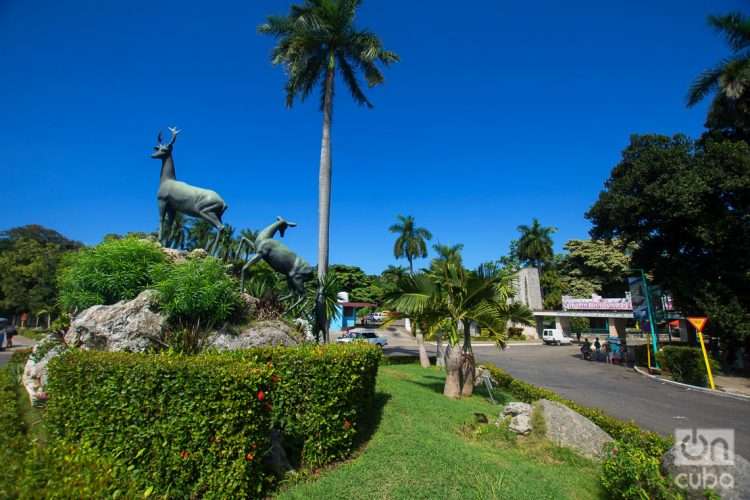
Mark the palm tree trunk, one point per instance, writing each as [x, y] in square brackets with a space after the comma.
[467, 363]
[424, 360]
[452, 387]
[324, 188]
[411, 266]
[440, 359]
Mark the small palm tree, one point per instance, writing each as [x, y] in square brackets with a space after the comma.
[447, 253]
[317, 39]
[731, 77]
[535, 244]
[411, 242]
[200, 233]
[178, 237]
[454, 296]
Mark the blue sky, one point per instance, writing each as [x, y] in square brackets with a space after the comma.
[499, 112]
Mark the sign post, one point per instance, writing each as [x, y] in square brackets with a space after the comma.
[699, 323]
[640, 297]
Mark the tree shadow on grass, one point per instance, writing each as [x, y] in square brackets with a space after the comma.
[437, 383]
[433, 382]
[371, 420]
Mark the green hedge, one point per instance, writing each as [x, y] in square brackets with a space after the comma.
[183, 426]
[323, 395]
[12, 436]
[652, 444]
[685, 364]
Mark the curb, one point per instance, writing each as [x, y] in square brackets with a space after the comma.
[706, 390]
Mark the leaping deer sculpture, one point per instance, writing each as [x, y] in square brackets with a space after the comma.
[278, 256]
[176, 196]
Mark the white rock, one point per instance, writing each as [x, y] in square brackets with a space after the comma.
[258, 334]
[517, 408]
[129, 325]
[572, 430]
[520, 424]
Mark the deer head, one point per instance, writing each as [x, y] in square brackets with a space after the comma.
[283, 224]
[162, 151]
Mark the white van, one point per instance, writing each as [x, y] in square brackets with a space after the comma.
[552, 336]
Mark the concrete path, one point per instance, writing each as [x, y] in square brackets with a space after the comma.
[19, 343]
[618, 391]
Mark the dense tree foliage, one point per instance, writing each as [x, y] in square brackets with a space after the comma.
[29, 259]
[686, 206]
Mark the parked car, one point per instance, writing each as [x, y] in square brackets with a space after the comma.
[377, 317]
[365, 336]
[552, 336]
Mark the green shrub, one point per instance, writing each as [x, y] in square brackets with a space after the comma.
[323, 395]
[12, 438]
[107, 273]
[630, 473]
[653, 444]
[198, 292]
[685, 364]
[183, 426]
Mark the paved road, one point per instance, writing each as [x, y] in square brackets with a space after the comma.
[619, 391]
[18, 343]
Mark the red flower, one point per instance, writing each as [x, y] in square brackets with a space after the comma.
[261, 395]
[184, 454]
[250, 456]
[347, 425]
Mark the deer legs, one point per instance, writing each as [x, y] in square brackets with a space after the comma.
[162, 220]
[210, 216]
[249, 263]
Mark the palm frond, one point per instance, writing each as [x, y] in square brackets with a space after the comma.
[707, 82]
[735, 27]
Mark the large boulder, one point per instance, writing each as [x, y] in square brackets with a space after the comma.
[257, 334]
[569, 429]
[128, 325]
[731, 481]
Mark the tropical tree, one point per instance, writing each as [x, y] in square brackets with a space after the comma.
[448, 253]
[411, 242]
[731, 76]
[227, 245]
[315, 41]
[200, 233]
[452, 299]
[179, 236]
[250, 235]
[535, 244]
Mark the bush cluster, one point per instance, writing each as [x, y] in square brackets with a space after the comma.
[322, 398]
[12, 438]
[630, 473]
[653, 444]
[183, 427]
[685, 364]
[107, 273]
[197, 292]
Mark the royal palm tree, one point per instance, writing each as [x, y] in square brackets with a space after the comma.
[227, 245]
[317, 40]
[411, 242]
[535, 244]
[731, 77]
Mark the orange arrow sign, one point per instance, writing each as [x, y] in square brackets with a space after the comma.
[698, 322]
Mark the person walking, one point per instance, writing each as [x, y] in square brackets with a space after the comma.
[10, 332]
[578, 337]
[607, 353]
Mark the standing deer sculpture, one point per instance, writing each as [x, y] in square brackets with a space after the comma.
[176, 196]
[278, 256]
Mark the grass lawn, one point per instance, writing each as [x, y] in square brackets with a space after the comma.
[428, 446]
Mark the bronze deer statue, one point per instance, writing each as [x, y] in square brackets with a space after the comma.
[176, 196]
[278, 256]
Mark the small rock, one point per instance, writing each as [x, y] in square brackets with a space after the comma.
[520, 424]
[517, 408]
[197, 253]
[34, 377]
[173, 255]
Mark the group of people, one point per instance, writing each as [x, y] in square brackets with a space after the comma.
[600, 350]
[7, 332]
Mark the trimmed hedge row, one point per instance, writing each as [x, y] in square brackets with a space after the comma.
[653, 444]
[184, 426]
[323, 395]
[12, 436]
[686, 364]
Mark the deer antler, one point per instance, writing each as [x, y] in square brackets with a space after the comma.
[158, 138]
[174, 131]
